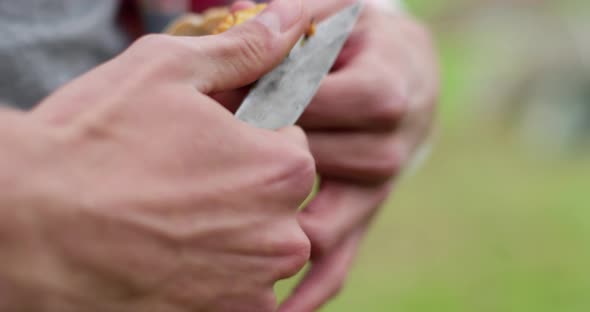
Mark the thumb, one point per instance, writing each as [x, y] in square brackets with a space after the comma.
[243, 54]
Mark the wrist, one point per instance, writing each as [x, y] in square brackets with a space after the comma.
[27, 262]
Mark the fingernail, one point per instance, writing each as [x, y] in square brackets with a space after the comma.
[281, 15]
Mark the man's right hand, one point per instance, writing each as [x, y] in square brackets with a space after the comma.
[153, 197]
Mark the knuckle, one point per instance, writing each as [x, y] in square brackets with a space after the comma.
[370, 87]
[258, 300]
[389, 162]
[298, 135]
[382, 164]
[289, 170]
[151, 41]
[251, 46]
[154, 44]
[267, 302]
[388, 104]
[296, 250]
[321, 237]
[387, 112]
[298, 174]
[255, 44]
[160, 52]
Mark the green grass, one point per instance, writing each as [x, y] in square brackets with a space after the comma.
[484, 226]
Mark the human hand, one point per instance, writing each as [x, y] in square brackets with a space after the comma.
[370, 116]
[155, 198]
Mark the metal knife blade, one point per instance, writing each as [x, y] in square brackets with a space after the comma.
[279, 98]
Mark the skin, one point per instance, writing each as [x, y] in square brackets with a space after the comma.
[151, 196]
[370, 117]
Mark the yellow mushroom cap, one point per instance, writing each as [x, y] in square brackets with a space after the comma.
[237, 18]
[211, 22]
[215, 21]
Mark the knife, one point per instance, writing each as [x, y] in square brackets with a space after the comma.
[280, 97]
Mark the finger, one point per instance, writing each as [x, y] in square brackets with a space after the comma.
[361, 96]
[325, 279]
[244, 53]
[241, 5]
[321, 9]
[337, 210]
[296, 135]
[360, 157]
[354, 46]
[231, 100]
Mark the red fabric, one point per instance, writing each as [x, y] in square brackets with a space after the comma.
[130, 13]
[130, 19]
[200, 5]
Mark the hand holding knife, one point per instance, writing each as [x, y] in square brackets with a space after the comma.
[280, 97]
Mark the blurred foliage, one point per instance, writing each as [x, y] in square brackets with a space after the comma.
[487, 224]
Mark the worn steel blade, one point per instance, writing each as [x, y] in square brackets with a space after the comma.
[279, 98]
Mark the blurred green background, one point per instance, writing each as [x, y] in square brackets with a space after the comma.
[498, 219]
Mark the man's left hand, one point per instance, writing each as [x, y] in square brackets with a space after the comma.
[368, 120]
